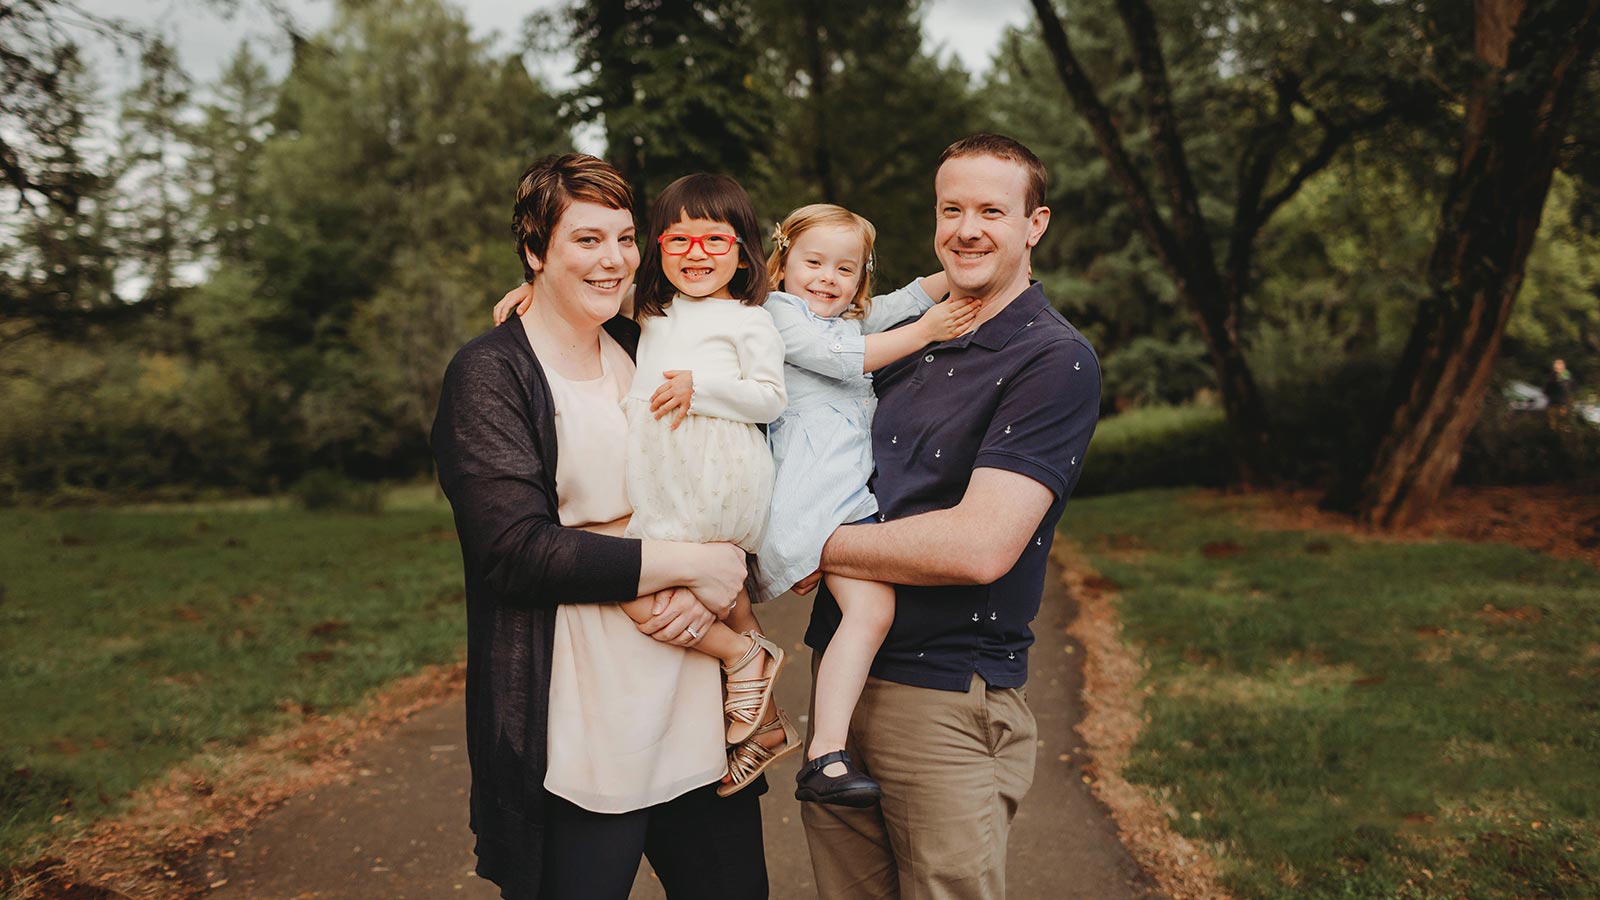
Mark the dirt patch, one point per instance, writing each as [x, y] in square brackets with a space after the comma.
[1113, 714]
[158, 847]
[1562, 521]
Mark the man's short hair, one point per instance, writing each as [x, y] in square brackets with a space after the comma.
[554, 183]
[1009, 149]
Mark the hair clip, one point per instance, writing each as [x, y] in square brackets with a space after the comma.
[779, 239]
[872, 263]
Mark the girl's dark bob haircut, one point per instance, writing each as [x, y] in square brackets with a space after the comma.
[702, 196]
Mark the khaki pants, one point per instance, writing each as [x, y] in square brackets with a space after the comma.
[953, 766]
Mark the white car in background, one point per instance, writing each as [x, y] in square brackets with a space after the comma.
[1524, 397]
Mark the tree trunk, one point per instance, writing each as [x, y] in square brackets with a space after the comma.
[817, 69]
[1183, 246]
[1532, 52]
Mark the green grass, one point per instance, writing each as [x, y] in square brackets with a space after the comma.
[133, 639]
[1342, 718]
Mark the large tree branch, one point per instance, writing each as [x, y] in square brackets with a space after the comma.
[1167, 146]
[1255, 166]
[1089, 105]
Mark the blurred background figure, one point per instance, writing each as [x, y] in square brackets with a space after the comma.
[1558, 388]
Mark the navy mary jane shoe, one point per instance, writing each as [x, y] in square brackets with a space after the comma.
[850, 789]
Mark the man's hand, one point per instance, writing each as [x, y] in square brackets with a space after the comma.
[518, 299]
[673, 396]
[678, 618]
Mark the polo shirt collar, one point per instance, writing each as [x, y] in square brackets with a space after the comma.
[1024, 308]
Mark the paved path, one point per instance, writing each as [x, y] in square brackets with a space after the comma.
[398, 830]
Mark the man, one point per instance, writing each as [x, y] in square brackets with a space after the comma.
[978, 443]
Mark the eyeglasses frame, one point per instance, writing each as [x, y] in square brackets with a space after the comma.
[661, 241]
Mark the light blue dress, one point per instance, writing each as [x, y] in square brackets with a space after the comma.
[822, 444]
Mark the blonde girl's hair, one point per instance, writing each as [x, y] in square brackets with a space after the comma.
[824, 215]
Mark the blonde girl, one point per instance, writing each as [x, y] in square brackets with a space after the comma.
[833, 337]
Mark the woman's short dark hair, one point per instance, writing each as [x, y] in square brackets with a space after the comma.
[702, 196]
[554, 183]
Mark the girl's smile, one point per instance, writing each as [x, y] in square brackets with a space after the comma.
[824, 268]
[701, 271]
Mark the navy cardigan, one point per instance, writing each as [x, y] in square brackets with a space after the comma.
[494, 441]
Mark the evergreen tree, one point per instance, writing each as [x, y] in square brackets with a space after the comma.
[225, 161]
[59, 274]
[158, 238]
[676, 85]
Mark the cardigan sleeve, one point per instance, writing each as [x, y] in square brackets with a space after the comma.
[500, 486]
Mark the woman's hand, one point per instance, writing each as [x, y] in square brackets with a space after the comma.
[716, 574]
[949, 319]
[673, 396]
[678, 618]
[518, 298]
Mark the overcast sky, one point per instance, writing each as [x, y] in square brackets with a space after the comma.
[970, 29]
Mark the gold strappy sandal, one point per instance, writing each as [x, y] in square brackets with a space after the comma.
[749, 759]
[746, 701]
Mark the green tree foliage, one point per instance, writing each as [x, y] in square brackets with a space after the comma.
[352, 223]
[675, 85]
[225, 158]
[156, 230]
[385, 190]
[58, 275]
[41, 70]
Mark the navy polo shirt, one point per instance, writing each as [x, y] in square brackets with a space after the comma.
[1021, 393]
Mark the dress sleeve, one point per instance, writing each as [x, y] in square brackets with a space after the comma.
[893, 308]
[834, 351]
[757, 393]
[492, 470]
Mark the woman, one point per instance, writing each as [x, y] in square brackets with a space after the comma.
[528, 442]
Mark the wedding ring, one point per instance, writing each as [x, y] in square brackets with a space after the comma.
[692, 633]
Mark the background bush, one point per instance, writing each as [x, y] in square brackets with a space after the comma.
[1157, 446]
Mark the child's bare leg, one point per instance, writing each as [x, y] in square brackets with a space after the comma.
[868, 608]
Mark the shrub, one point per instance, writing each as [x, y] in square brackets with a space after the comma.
[1150, 371]
[1157, 446]
[1511, 447]
[325, 489]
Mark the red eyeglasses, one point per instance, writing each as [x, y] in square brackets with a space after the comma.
[674, 244]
